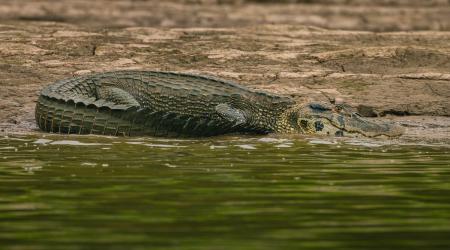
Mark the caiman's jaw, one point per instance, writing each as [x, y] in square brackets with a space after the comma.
[328, 120]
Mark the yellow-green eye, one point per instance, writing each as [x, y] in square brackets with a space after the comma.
[318, 125]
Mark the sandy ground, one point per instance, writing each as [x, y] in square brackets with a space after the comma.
[387, 59]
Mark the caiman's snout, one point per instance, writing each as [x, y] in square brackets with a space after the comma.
[355, 123]
[326, 119]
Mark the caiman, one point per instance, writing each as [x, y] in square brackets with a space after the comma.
[177, 104]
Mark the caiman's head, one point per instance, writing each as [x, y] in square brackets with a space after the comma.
[324, 119]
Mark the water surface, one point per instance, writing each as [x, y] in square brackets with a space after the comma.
[82, 192]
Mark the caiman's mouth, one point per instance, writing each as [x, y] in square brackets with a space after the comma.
[322, 119]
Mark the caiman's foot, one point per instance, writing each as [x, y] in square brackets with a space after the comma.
[339, 120]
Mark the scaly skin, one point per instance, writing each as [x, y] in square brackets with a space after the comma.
[174, 104]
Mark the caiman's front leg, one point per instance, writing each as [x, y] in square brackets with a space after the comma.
[232, 115]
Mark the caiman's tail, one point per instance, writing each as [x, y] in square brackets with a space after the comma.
[57, 116]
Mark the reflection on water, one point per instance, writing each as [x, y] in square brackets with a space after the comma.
[222, 193]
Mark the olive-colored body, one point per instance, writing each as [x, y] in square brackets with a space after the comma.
[155, 103]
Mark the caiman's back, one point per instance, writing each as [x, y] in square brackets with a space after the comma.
[155, 103]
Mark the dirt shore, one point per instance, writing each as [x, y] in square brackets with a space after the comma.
[390, 61]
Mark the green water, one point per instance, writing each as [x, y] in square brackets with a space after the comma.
[221, 193]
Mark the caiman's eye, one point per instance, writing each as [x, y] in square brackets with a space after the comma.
[318, 107]
[318, 125]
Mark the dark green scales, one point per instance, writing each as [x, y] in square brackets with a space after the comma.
[176, 104]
